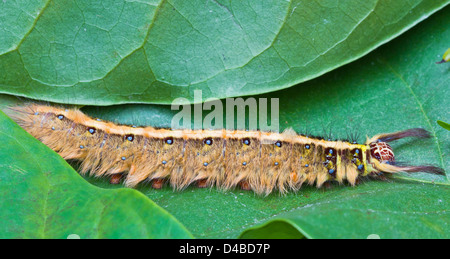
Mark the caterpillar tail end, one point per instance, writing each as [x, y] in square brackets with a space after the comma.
[20, 114]
[382, 155]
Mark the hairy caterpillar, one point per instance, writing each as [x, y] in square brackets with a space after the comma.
[260, 161]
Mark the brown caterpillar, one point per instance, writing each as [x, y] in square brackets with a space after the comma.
[260, 161]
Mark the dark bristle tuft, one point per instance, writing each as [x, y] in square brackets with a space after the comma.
[426, 169]
[416, 133]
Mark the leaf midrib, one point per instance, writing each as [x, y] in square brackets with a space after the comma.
[420, 106]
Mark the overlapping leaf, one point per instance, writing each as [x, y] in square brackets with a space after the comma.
[111, 52]
[396, 87]
[41, 196]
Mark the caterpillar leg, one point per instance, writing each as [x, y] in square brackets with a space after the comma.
[157, 183]
[245, 185]
[202, 183]
[115, 178]
[327, 186]
[379, 176]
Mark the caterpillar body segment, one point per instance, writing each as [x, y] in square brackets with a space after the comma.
[260, 161]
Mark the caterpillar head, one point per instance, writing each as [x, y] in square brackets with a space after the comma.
[382, 151]
[384, 160]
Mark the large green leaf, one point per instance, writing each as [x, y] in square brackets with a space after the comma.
[111, 52]
[41, 196]
[376, 210]
[398, 86]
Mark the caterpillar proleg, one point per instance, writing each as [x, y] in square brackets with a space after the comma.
[256, 160]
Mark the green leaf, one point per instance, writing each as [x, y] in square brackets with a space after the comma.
[444, 125]
[400, 210]
[111, 52]
[396, 87]
[41, 196]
